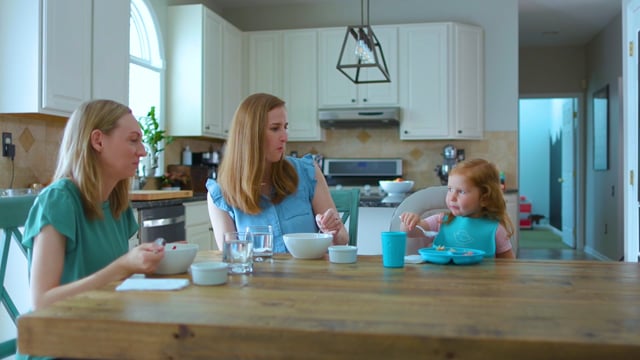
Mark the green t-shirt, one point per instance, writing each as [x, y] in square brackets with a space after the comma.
[91, 244]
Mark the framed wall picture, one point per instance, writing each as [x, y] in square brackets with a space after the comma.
[601, 129]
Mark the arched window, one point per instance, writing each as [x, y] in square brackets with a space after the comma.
[146, 64]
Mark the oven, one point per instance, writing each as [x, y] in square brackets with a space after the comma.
[364, 174]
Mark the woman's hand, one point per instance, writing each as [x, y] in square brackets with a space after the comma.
[329, 222]
[144, 258]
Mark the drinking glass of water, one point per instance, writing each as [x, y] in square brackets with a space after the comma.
[238, 252]
[262, 241]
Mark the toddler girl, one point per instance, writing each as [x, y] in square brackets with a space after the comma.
[477, 216]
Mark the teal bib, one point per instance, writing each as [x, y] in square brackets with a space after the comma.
[475, 233]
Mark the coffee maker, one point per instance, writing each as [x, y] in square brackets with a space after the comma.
[205, 166]
[451, 156]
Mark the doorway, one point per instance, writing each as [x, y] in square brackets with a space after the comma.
[547, 165]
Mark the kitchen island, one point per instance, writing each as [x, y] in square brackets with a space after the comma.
[313, 309]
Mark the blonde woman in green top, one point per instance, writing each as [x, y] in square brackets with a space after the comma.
[78, 229]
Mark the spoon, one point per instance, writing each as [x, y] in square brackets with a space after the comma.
[427, 233]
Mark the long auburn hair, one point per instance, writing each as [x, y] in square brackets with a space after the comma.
[78, 160]
[485, 176]
[242, 169]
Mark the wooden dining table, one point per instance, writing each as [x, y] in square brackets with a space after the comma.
[314, 309]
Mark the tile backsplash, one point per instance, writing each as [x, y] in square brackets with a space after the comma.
[37, 138]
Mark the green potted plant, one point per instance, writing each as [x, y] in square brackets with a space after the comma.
[154, 138]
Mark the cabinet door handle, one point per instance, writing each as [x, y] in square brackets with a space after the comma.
[353, 100]
[459, 131]
[364, 100]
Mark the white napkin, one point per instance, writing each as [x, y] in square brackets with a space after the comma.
[152, 284]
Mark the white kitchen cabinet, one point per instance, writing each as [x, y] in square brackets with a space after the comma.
[198, 226]
[284, 63]
[336, 90]
[300, 87]
[60, 53]
[372, 221]
[232, 74]
[195, 71]
[265, 62]
[442, 75]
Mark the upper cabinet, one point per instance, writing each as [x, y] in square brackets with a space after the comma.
[285, 64]
[198, 70]
[442, 73]
[60, 53]
[336, 90]
[232, 76]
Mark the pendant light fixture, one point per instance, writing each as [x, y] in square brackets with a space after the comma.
[361, 57]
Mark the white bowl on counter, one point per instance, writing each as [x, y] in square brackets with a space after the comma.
[394, 187]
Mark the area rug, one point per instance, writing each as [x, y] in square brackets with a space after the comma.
[541, 238]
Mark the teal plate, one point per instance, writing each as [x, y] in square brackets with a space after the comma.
[456, 255]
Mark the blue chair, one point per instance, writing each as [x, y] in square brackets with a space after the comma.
[13, 215]
[347, 203]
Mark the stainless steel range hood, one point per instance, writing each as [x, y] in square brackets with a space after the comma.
[348, 118]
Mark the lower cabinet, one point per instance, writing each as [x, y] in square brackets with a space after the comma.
[198, 226]
[372, 221]
[513, 211]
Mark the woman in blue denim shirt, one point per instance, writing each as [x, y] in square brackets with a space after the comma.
[258, 185]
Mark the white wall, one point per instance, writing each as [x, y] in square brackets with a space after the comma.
[604, 189]
[535, 122]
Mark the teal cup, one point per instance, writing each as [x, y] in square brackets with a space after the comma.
[394, 244]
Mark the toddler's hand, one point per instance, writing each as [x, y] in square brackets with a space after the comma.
[409, 220]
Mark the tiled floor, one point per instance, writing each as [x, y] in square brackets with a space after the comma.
[554, 254]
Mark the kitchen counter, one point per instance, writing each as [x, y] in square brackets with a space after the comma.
[147, 204]
[313, 309]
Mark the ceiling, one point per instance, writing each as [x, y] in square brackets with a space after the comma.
[542, 22]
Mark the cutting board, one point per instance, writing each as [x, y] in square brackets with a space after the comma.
[146, 195]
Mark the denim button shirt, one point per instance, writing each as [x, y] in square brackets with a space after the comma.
[293, 215]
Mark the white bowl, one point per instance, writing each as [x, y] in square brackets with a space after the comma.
[307, 245]
[209, 273]
[177, 258]
[343, 254]
[393, 187]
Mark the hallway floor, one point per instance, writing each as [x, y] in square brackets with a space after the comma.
[554, 254]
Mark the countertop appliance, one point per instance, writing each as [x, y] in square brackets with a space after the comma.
[364, 174]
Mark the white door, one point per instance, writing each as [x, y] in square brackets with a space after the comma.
[569, 118]
[631, 31]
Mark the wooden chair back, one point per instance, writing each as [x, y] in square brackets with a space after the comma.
[347, 203]
[13, 215]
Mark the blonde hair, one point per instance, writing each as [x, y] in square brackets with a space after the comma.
[242, 169]
[78, 160]
[485, 176]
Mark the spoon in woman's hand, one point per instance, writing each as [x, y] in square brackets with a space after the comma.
[427, 233]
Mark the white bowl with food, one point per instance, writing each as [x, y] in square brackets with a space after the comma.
[343, 254]
[209, 273]
[177, 258]
[307, 245]
[396, 187]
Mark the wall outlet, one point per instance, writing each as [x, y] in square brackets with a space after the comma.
[7, 144]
